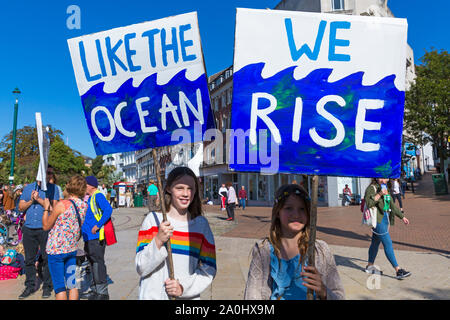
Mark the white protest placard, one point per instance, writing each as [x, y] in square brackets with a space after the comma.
[327, 89]
[141, 82]
[44, 147]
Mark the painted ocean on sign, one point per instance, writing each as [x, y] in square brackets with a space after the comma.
[149, 113]
[140, 83]
[304, 116]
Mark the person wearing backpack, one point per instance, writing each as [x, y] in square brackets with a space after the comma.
[64, 223]
[377, 195]
[98, 213]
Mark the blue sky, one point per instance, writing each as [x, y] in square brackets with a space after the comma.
[35, 56]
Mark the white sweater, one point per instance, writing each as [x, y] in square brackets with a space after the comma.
[193, 252]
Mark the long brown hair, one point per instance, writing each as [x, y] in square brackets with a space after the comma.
[195, 207]
[281, 196]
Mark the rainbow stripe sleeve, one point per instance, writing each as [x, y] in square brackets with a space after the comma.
[193, 244]
[145, 237]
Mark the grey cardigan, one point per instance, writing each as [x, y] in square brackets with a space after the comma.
[259, 281]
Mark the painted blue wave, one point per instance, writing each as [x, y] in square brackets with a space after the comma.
[306, 156]
[130, 117]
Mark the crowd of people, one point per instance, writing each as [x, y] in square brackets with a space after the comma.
[56, 221]
[396, 187]
[229, 199]
[111, 195]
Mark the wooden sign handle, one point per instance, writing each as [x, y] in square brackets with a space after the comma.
[312, 229]
[163, 209]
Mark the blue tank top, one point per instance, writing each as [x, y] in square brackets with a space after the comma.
[287, 281]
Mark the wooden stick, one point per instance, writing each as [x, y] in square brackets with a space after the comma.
[163, 209]
[312, 229]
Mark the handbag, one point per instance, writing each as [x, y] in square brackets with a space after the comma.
[108, 228]
[369, 215]
[110, 233]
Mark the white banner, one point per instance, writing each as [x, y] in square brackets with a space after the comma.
[326, 89]
[44, 146]
[129, 78]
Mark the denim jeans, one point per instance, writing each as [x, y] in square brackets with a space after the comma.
[242, 202]
[62, 269]
[347, 198]
[382, 236]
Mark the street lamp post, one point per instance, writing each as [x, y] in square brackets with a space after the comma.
[16, 93]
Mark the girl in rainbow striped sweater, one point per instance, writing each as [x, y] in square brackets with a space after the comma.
[192, 242]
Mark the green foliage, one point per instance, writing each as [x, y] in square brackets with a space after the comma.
[97, 164]
[65, 161]
[427, 103]
[108, 176]
[62, 158]
[26, 154]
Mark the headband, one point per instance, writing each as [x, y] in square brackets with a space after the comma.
[297, 192]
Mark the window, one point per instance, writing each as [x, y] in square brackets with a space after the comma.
[224, 102]
[229, 94]
[337, 4]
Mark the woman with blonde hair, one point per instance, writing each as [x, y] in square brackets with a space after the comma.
[279, 269]
[64, 222]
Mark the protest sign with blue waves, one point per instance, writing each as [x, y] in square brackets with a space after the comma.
[140, 83]
[329, 89]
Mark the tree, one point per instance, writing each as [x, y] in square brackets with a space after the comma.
[108, 175]
[97, 164]
[427, 116]
[62, 158]
[65, 161]
[26, 154]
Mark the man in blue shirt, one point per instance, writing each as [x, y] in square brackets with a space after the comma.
[34, 237]
[98, 213]
[113, 197]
